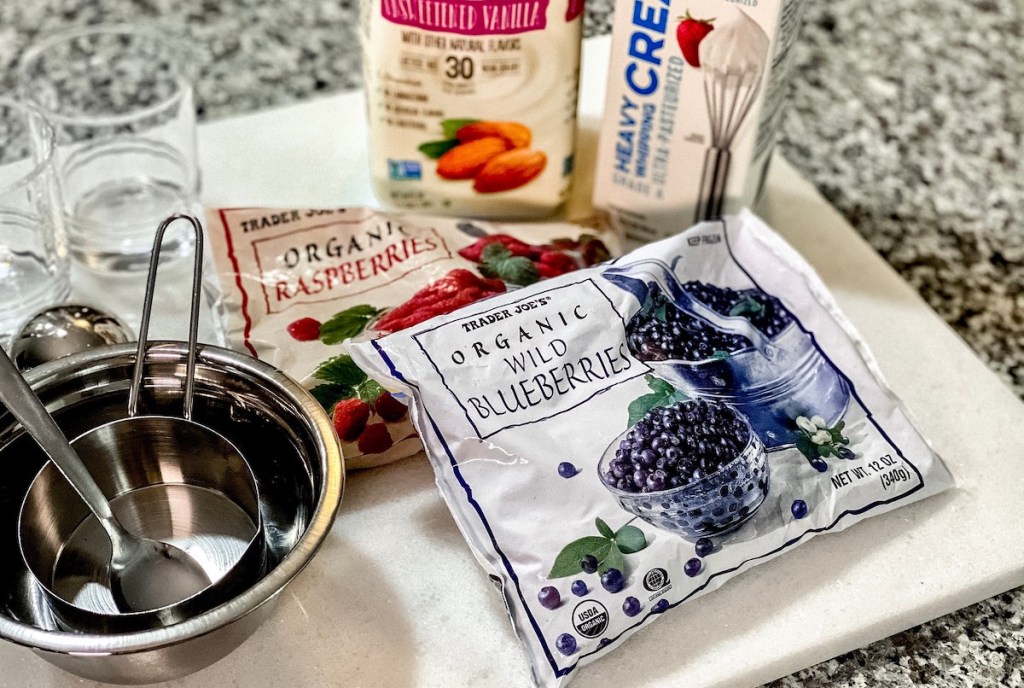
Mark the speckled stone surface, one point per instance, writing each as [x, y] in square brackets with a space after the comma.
[907, 115]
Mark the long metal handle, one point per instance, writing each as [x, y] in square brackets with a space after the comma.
[717, 196]
[712, 185]
[24, 405]
[147, 309]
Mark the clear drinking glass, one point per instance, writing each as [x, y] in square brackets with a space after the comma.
[120, 100]
[33, 251]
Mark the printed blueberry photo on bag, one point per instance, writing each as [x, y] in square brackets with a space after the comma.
[739, 345]
[733, 373]
[621, 439]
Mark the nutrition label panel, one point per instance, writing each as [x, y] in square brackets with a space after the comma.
[418, 62]
[460, 69]
[405, 103]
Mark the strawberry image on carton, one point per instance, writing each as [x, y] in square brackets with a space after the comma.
[695, 95]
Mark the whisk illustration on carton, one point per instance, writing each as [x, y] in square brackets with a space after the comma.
[690, 122]
[733, 59]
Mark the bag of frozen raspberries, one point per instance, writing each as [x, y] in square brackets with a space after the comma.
[296, 283]
[620, 439]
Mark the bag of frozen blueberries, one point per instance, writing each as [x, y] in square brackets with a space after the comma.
[682, 413]
[295, 283]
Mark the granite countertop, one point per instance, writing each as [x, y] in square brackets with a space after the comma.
[907, 115]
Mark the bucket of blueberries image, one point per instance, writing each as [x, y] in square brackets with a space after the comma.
[738, 346]
[695, 468]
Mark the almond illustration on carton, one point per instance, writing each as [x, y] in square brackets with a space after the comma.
[518, 135]
[494, 154]
[466, 160]
[509, 170]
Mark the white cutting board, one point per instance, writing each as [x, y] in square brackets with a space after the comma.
[396, 599]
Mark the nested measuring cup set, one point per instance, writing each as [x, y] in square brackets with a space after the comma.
[143, 521]
[197, 482]
[97, 147]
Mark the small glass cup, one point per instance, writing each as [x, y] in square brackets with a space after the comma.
[34, 264]
[120, 100]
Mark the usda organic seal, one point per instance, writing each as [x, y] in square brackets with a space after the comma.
[590, 618]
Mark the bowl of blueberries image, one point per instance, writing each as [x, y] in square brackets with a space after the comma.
[695, 468]
[739, 346]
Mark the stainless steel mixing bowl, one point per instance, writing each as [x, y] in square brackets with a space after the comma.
[282, 431]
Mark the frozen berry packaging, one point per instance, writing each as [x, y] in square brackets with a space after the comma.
[618, 440]
[297, 282]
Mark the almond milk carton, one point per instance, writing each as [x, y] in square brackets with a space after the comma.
[695, 96]
[472, 103]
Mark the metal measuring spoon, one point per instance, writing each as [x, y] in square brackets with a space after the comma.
[144, 574]
[63, 330]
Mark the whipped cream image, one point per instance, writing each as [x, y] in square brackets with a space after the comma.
[738, 45]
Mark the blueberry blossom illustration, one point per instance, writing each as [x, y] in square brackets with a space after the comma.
[817, 441]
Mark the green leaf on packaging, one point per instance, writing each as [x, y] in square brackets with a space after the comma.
[348, 323]
[567, 563]
[676, 397]
[654, 308]
[630, 539]
[609, 550]
[661, 311]
[603, 528]
[641, 405]
[435, 149]
[658, 385]
[330, 394]
[612, 560]
[451, 126]
[340, 370]
[498, 261]
[746, 306]
[369, 390]
[662, 394]
[824, 450]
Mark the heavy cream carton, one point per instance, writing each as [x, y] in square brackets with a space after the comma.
[695, 96]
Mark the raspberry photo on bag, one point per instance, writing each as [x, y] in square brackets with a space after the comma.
[297, 283]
